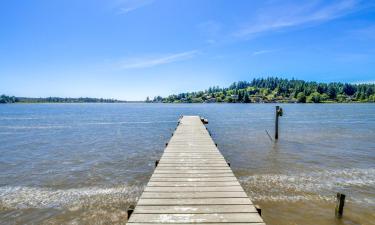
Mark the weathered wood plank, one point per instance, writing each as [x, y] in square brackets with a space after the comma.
[193, 189]
[192, 171]
[195, 175]
[196, 218]
[200, 223]
[190, 179]
[194, 167]
[194, 209]
[191, 195]
[201, 201]
[192, 184]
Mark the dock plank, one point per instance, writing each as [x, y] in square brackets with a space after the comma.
[194, 209]
[197, 218]
[191, 195]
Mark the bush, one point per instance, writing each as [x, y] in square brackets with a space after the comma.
[314, 97]
[301, 97]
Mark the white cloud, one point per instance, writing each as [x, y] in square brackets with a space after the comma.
[126, 6]
[146, 62]
[261, 52]
[287, 16]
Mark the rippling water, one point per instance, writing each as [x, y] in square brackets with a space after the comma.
[85, 163]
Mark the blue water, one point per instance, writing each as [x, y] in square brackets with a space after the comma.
[63, 163]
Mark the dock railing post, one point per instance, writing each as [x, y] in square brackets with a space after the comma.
[339, 211]
[279, 112]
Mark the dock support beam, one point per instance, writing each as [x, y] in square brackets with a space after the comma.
[279, 112]
[339, 211]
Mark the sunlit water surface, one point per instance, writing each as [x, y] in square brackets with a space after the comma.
[85, 163]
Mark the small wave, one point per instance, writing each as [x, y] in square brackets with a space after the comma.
[18, 118]
[139, 122]
[35, 127]
[34, 197]
[290, 198]
[312, 186]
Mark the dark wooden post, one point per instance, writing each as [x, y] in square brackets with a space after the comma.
[279, 112]
[130, 211]
[259, 210]
[340, 205]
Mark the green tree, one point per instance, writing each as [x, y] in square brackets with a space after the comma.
[246, 98]
[301, 97]
[332, 92]
[349, 89]
[314, 97]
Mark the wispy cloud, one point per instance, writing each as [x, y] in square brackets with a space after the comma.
[146, 62]
[363, 33]
[265, 51]
[127, 6]
[287, 16]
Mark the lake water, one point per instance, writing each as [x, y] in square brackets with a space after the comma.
[85, 163]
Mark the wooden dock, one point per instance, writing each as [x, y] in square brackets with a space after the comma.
[193, 184]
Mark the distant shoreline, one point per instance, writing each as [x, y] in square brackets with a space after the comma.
[193, 103]
[278, 90]
[260, 90]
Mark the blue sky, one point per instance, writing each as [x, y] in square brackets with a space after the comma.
[130, 49]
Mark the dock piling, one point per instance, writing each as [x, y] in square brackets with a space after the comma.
[130, 210]
[259, 210]
[339, 211]
[279, 112]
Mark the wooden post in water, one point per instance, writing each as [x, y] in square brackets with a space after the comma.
[259, 210]
[340, 205]
[279, 112]
[130, 211]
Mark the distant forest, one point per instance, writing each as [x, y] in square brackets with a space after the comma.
[272, 89]
[12, 99]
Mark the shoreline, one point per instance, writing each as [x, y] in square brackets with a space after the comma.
[195, 103]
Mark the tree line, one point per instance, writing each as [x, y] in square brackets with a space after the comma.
[13, 99]
[273, 89]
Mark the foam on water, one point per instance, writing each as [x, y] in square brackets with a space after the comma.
[312, 186]
[35, 197]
